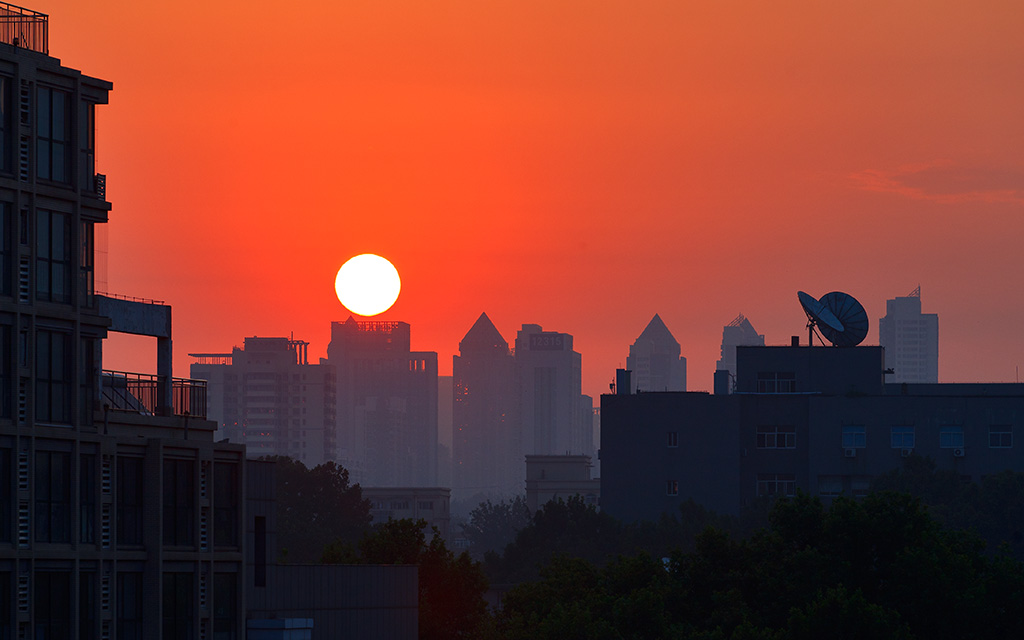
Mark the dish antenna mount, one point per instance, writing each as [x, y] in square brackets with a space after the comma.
[838, 316]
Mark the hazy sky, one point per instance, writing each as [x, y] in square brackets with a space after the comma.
[580, 165]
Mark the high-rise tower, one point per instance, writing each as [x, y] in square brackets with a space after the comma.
[485, 440]
[655, 361]
[737, 333]
[910, 339]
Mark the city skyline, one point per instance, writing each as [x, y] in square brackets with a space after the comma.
[582, 167]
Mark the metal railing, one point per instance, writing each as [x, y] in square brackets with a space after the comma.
[24, 28]
[140, 393]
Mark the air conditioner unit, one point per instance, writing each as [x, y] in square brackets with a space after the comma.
[850, 453]
[958, 453]
[906, 453]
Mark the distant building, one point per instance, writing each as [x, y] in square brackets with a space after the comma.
[386, 404]
[655, 361]
[817, 419]
[397, 503]
[737, 333]
[550, 386]
[911, 340]
[268, 397]
[485, 416]
[560, 478]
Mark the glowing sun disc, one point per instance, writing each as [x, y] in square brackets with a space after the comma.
[367, 284]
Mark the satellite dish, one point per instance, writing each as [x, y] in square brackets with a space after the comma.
[817, 313]
[851, 315]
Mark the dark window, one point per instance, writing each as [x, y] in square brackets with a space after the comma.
[776, 382]
[86, 261]
[260, 551]
[87, 499]
[1000, 436]
[6, 615]
[672, 487]
[902, 437]
[776, 484]
[225, 504]
[6, 128]
[673, 439]
[88, 377]
[6, 496]
[854, 437]
[53, 135]
[53, 256]
[179, 502]
[951, 437]
[225, 606]
[6, 249]
[53, 377]
[6, 379]
[53, 496]
[177, 606]
[129, 501]
[87, 605]
[52, 605]
[129, 606]
[776, 437]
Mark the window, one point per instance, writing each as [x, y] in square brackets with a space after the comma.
[86, 262]
[6, 379]
[6, 249]
[776, 382]
[87, 605]
[1000, 436]
[830, 486]
[53, 496]
[87, 498]
[129, 606]
[672, 487]
[425, 505]
[902, 437]
[179, 502]
[225, 606]
[673, 439]
[53, 256]
[129, 501]
[52, 604]
[177, 606]
[854, 437]
[6, 496]
[6, 126]
[225, 504]
[951, 437]
[53, 135]
[776, 437]
[53, 377]
[776, 484]
[859, 486]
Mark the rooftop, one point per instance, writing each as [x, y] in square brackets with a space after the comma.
[25, 28]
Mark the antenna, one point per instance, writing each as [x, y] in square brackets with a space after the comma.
[838, 316]
[817, 315]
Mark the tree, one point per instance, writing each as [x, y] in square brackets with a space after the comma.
[451, 588]
[315, 507]
[492, 527]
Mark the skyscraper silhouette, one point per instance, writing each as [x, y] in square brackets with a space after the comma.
[655, 361]
[910, 339]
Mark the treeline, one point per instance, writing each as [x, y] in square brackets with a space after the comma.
[906, 561]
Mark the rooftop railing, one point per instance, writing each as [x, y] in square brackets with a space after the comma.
[139, 393]
[24, 28]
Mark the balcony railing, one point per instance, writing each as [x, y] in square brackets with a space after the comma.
[24, 28]
[140, 393]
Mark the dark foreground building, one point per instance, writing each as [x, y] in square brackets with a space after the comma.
[818, 419]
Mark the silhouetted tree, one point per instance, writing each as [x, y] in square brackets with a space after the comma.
[315, 507]
[492, 527]
[451, 588]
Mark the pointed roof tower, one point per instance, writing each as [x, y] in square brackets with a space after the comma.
[483, 335]
[658, 335]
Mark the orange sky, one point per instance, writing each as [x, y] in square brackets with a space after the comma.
[580, 165]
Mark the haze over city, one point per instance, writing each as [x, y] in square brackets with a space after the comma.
[578, 165]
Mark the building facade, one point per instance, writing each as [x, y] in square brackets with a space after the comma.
[268, 397]
[119, 514]
[737, 333]
[910, 339]
[817, 419]
[386, 404]
[560, 478]
[485, 416]
[655, 361]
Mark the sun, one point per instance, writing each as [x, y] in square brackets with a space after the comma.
[367, 284]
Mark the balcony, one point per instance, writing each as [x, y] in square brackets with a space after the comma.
[24, 28]
[140, 393]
